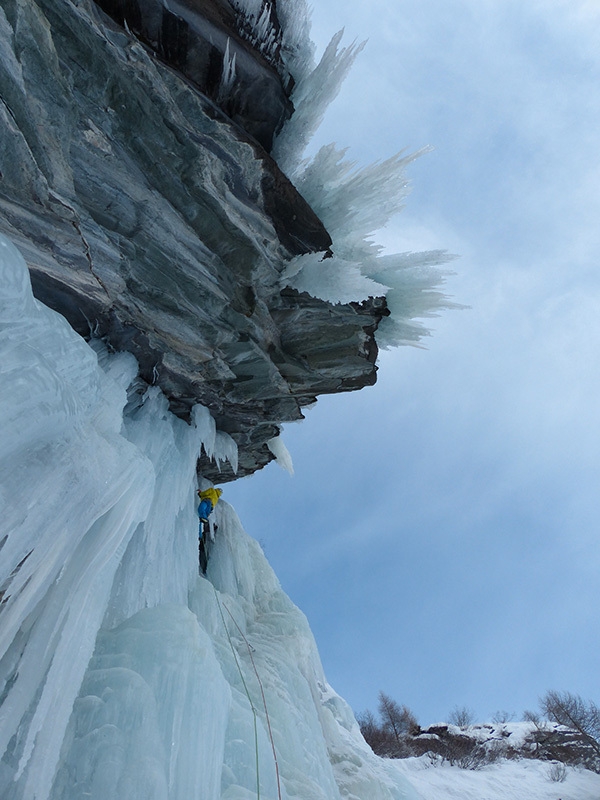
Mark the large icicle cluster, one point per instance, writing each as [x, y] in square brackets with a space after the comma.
[281, 34]
[123, 673]
[354, 204]
[81, 487]
[317, 87]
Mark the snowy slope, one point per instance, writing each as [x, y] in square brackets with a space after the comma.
[507, 780]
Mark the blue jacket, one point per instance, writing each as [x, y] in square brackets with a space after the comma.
[204, 509]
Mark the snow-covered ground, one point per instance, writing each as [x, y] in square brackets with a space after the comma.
[506, 780]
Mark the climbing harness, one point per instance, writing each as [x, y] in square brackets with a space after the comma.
[252, 706]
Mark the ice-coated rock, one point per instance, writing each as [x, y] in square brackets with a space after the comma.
[149, 216]
[208, 42]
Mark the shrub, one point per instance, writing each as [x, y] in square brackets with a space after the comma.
[557, 772]
[502, 717]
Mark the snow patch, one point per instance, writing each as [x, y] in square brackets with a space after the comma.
[506, 780]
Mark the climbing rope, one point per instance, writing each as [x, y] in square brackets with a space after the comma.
[246, 689]
[262, 691]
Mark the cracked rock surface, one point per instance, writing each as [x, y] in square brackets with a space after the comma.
[150, 217]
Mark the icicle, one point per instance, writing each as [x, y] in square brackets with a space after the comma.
[226, 450]
[207, 429]
[228, 75]
[281, 453]
[311, 97]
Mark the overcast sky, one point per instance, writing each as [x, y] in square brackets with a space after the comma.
[441, 531]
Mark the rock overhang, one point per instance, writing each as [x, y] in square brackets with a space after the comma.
[150, 218]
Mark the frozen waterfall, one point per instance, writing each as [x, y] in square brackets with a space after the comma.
[123, 673]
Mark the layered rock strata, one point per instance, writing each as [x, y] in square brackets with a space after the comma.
[207, 41]
[151, 218]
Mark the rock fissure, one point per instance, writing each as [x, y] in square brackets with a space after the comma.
[86, 246]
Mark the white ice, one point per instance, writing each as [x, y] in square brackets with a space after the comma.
[282, 454]
[314, 91]
[123, 673]
[291, 42]
[353, 204]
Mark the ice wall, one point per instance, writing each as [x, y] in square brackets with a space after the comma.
[123, 673]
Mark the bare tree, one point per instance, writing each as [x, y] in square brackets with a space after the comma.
[502, 717]
[578, 715]
[366, 723]
[571, 711]
[532, 716]
[373, 733]
[398, 722]
[462, 717]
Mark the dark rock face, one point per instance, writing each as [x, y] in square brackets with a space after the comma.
[319, 349]
[203, 40]
[148, 217]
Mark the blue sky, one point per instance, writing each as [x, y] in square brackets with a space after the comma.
[441, 531]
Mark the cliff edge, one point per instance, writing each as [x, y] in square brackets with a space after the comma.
[136, 180]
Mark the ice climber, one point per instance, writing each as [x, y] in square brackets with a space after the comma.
[208, 500]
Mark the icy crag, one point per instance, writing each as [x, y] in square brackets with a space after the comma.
[219, 295]
[149, 216]
[124, 674]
